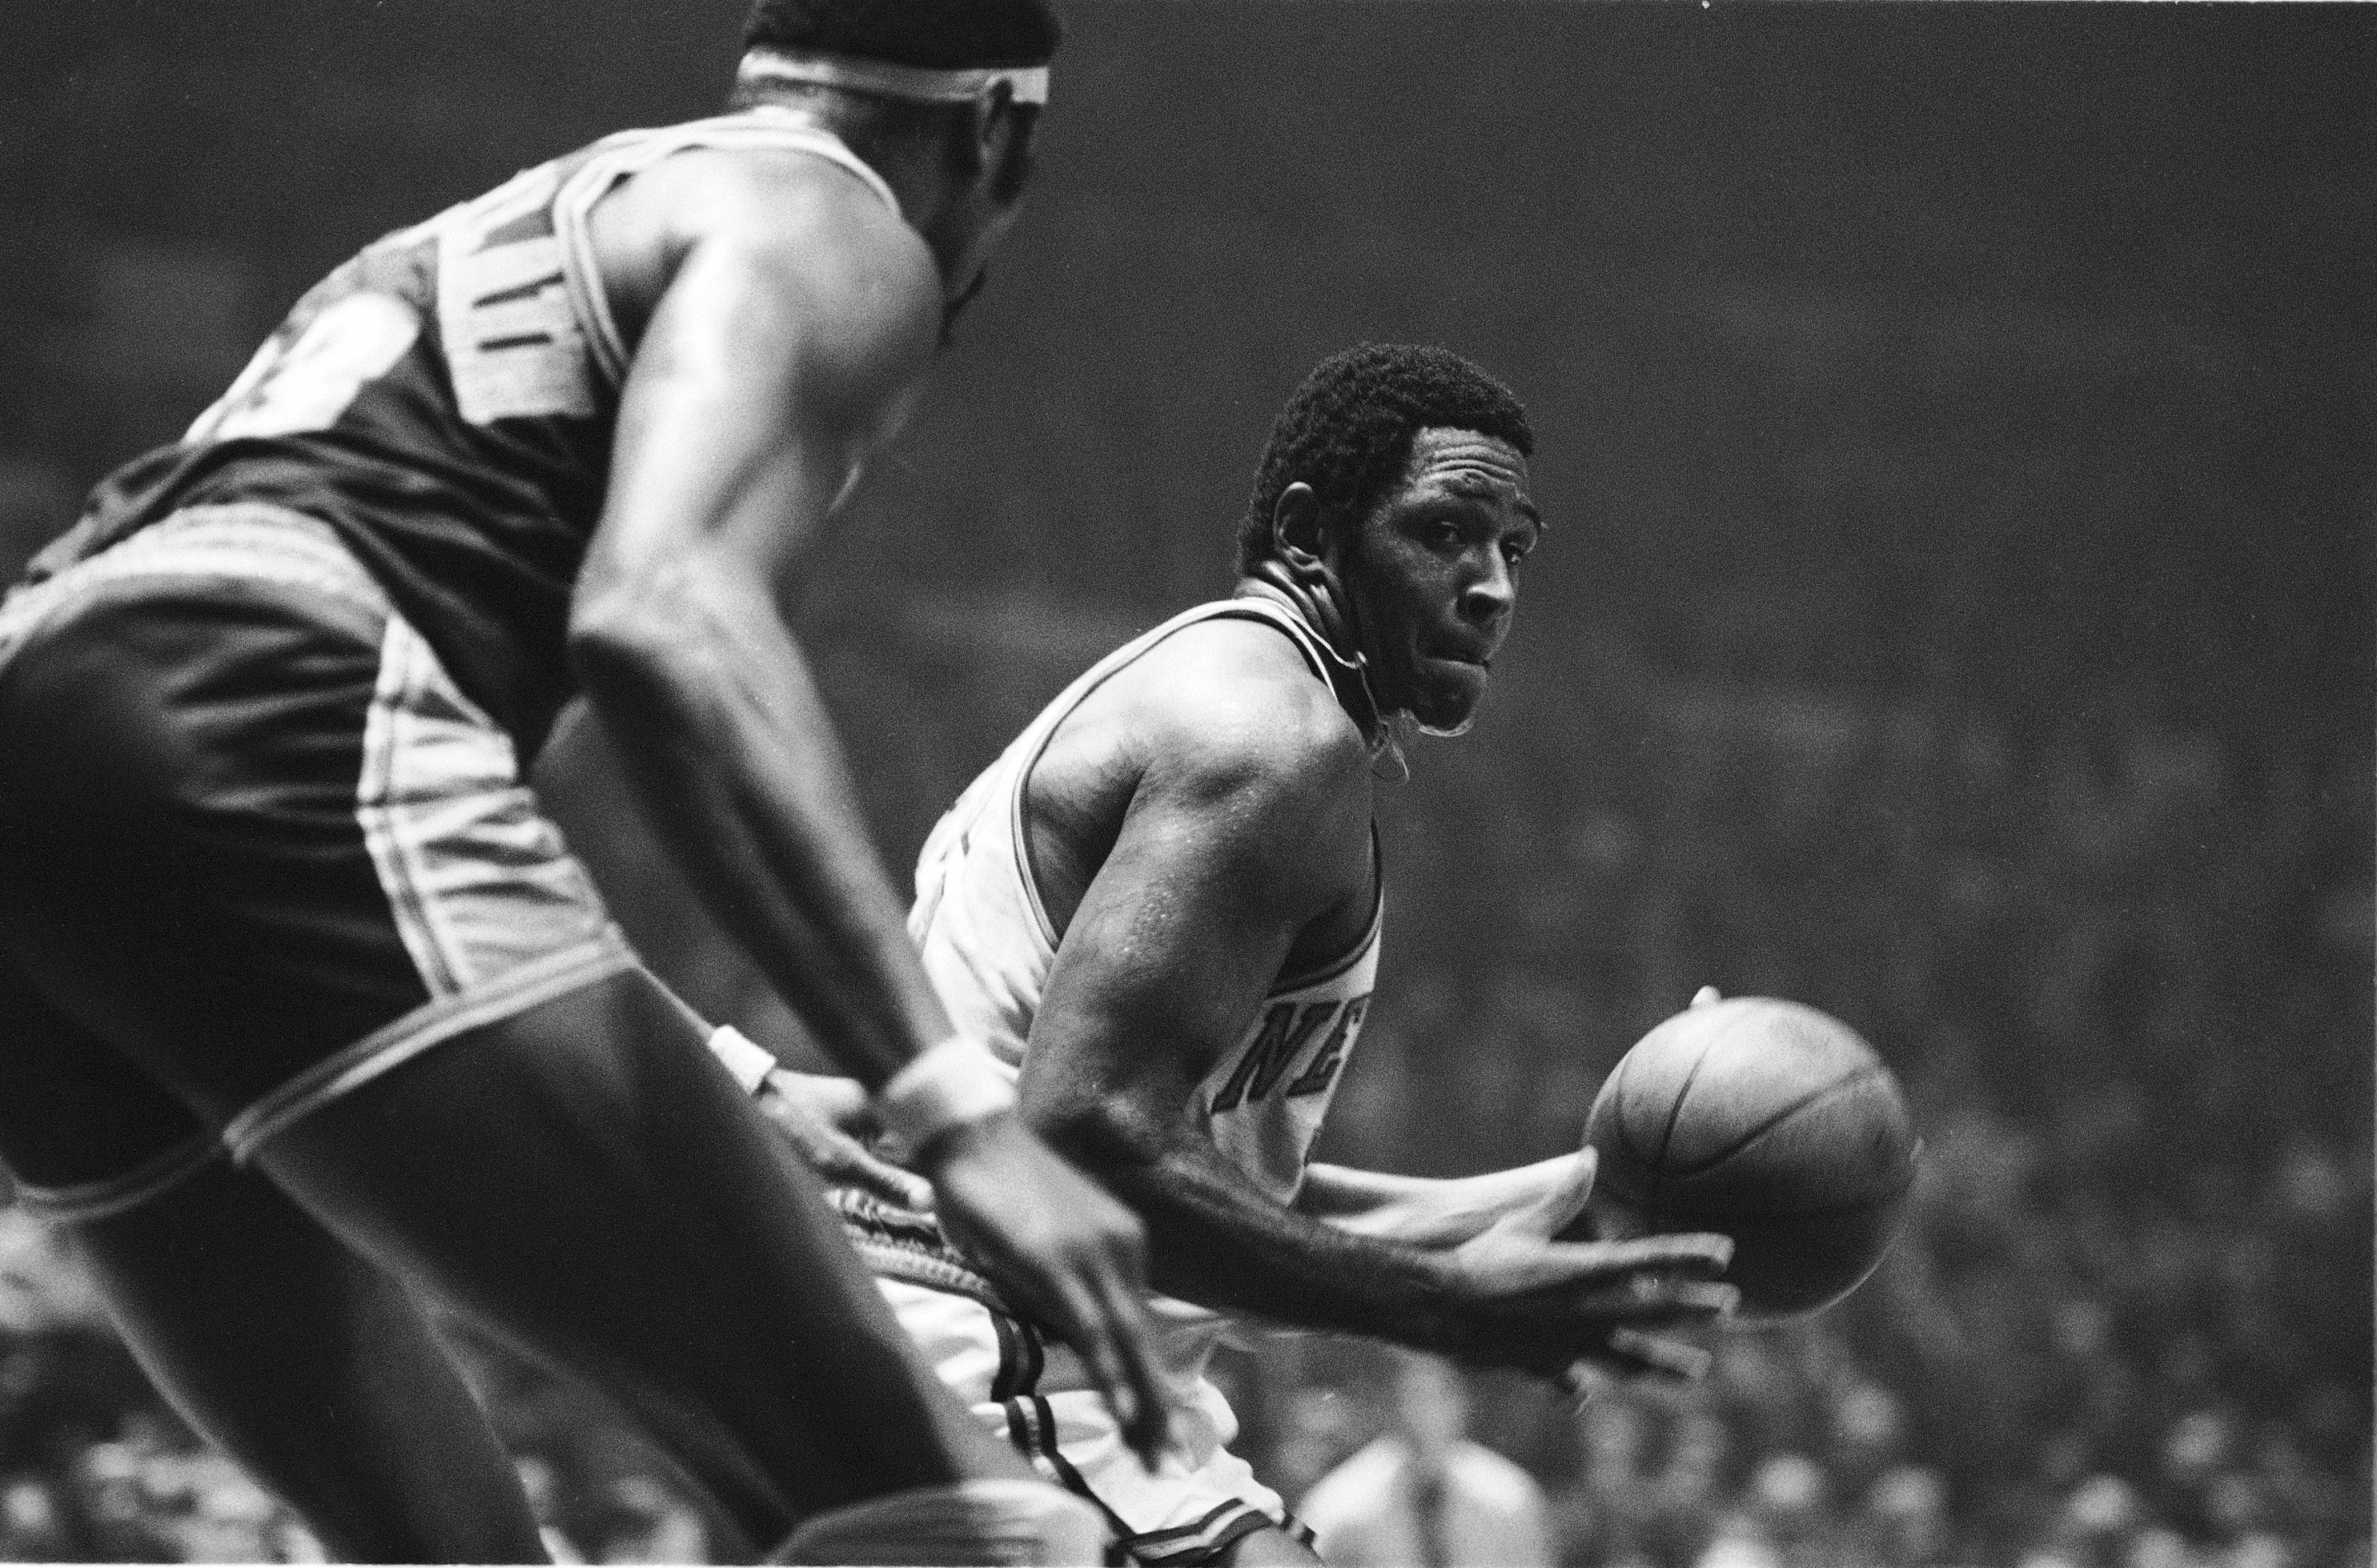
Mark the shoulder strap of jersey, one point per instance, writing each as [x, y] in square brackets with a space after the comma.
[764, 129]
[1024, 754]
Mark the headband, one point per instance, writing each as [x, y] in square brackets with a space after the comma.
[1028, 83]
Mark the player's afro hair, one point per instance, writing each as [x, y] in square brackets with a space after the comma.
[1347, 430]
[936, 34]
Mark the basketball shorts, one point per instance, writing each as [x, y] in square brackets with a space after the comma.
[1030, 1388]
[255, 850]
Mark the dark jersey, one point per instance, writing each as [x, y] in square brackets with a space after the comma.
[445, 401]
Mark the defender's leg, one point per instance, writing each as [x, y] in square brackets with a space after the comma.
[277, 1343]
[313, 1370]
[583, 1178]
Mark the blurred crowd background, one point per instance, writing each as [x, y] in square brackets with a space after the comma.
[1955, 426]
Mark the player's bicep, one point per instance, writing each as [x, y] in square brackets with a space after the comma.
[1175, 942]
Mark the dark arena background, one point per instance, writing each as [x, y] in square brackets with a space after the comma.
[1956, 424]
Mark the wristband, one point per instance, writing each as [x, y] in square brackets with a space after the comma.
[749, 1063]
[954, 1083]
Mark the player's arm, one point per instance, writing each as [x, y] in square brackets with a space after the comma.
[791, 319]
[1434, 1212]
[1426, 1211]
[791, 329]
[1222, 857]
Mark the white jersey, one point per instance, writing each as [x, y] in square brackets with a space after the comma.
[988, 945]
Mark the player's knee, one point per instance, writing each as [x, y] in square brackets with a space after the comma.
[1000, 1522]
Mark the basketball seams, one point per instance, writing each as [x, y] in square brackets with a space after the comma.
[1658, 1162]
[1856, 1076]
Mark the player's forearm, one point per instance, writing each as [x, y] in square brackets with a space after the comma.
[729, 748]
[1416, 1211]
[1216, 1239]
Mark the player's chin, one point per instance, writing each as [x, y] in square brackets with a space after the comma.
[1447, 694]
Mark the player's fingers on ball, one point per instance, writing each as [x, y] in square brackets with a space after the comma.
[1569, 1196]
[1667, 1357]
[1676, 1304]
[1716, 1300]
[1688, 1252]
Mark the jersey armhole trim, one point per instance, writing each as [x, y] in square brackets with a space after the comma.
[1328, 969]
[573, 206]
[1281, 619]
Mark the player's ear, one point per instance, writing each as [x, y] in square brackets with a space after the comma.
[1296, 527]
[997, 127]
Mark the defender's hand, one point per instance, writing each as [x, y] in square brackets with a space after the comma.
[828, 1120]
[1063, 1250]
[1547, 1306]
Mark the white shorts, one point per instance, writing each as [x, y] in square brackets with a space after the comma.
[1033, 1390]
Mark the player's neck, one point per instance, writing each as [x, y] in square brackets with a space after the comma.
[1316, 607]
[915, 170]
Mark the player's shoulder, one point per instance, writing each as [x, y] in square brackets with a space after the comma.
[1233, 699]
[788, 219]
[778, 190]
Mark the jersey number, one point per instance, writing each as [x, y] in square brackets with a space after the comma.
[303, 380]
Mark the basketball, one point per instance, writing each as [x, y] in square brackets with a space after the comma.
[1769, 1123]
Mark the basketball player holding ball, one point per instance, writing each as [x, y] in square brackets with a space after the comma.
[1161, 910]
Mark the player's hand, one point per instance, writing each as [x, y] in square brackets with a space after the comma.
[828, 1120]
[1547, 1306]
[1063, 1250]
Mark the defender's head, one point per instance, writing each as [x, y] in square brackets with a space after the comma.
[1395, 484]
[942, 97]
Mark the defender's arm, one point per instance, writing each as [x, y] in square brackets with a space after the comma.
[795, 324]
[793, 320]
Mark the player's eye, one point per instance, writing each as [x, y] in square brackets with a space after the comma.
[1513, 552]
[1444, 535]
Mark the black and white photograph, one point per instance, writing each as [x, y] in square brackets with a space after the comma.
[1197, 783]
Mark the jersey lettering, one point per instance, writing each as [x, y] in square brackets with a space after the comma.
[1285, 1029]
[1330, 1056]
[513, 346]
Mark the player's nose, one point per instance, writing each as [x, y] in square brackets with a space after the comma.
[1488, 598]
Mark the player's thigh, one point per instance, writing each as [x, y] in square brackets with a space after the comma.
[311, 1368]
[182, 868]
[84, 1131]
[583, 1176]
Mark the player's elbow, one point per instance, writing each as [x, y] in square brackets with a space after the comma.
[1101, 1132]
[616, 646]
[632, 633]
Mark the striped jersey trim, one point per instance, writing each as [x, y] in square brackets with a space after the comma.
[765, 127]
[437, 1021]
[1052, 719]
[1031, 1427]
